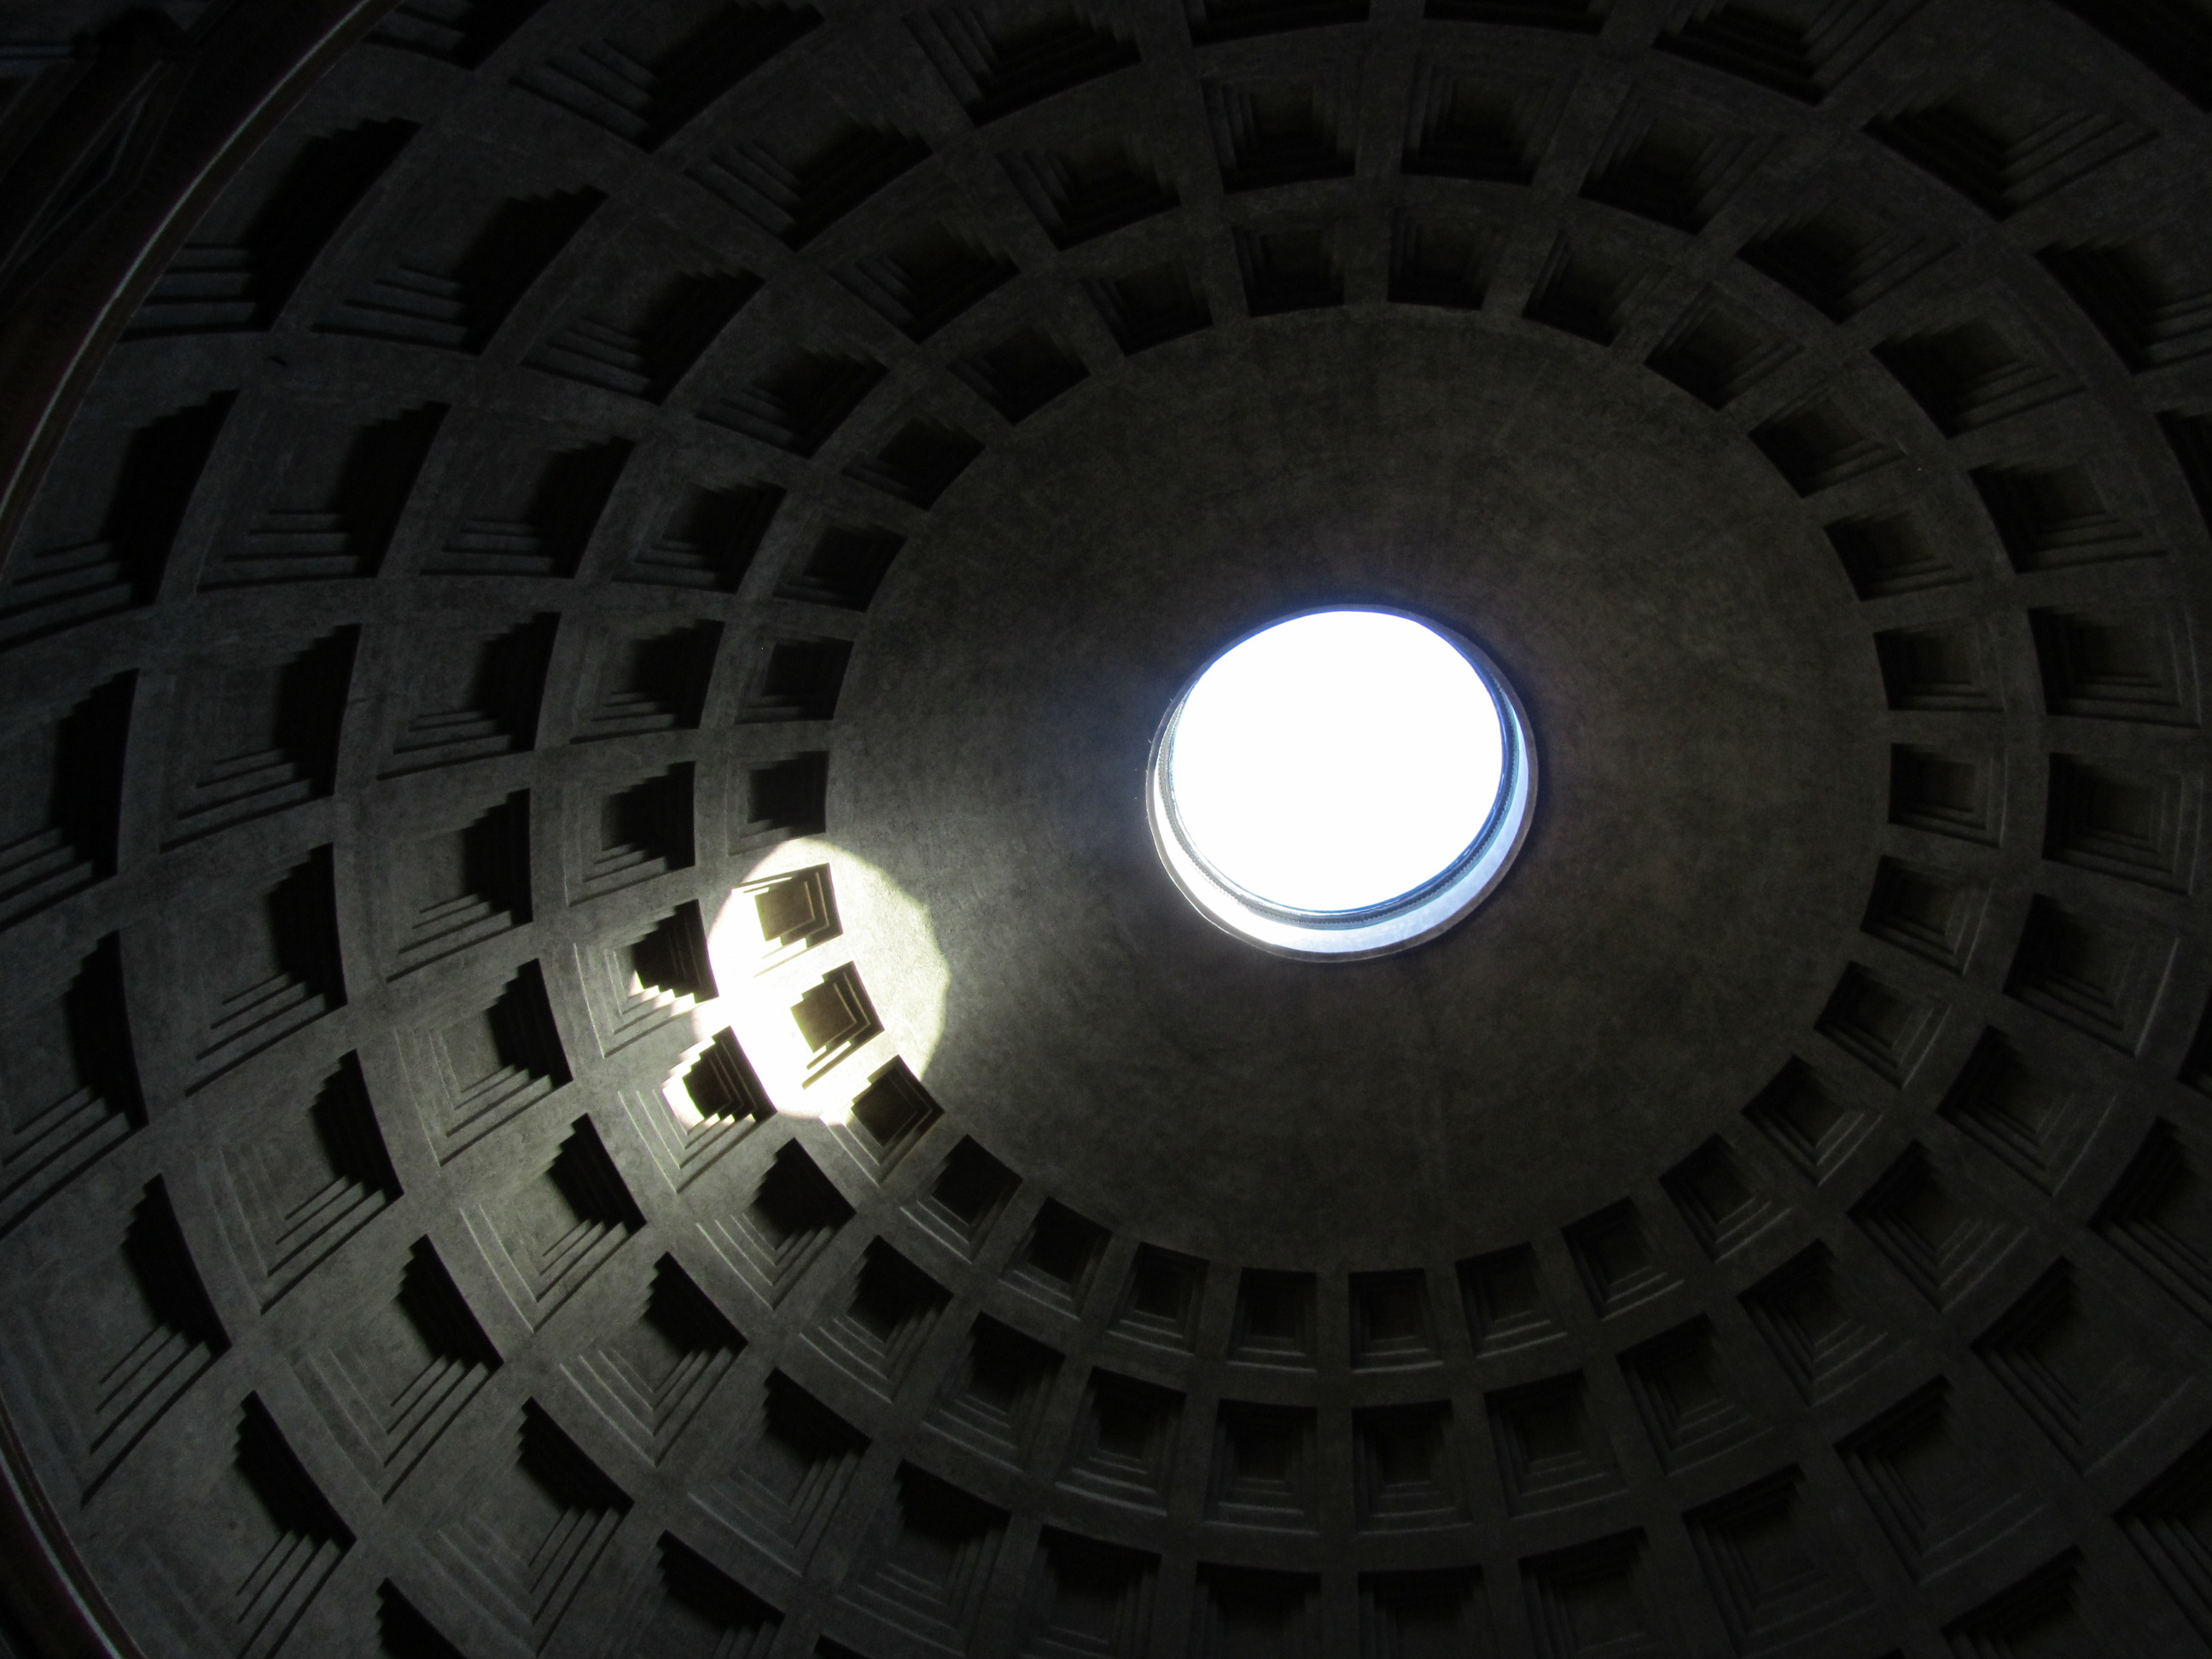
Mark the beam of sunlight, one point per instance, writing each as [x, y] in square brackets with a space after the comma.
[814, 1024]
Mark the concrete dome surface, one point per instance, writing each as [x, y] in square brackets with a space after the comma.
[598, 1058]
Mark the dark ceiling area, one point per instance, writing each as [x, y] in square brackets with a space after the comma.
[597, 1060]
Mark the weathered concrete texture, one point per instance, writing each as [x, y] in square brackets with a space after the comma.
[1708, 713]
[595, 454]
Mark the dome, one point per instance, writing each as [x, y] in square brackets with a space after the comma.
[600, 1058]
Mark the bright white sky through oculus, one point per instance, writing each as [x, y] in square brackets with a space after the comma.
[1337, 760]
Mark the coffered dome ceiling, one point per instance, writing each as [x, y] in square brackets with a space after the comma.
[598, 1061]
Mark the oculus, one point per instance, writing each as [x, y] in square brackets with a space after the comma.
[1342, 783]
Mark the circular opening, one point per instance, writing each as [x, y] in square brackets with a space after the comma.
[1341, 783]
